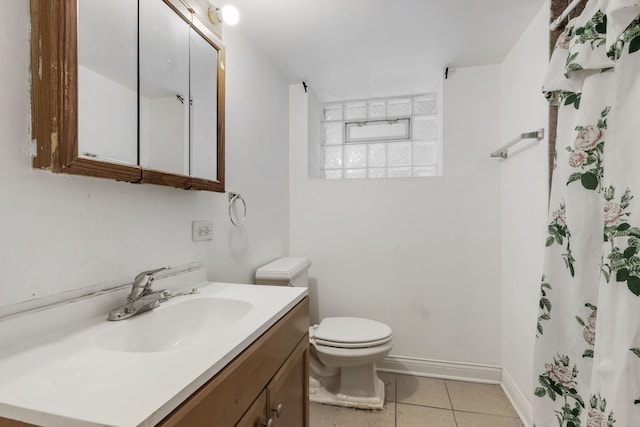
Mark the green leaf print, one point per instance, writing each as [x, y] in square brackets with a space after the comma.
[634, 45]
[631, 36]
[589, 328]
[569, 260]
[622, 275]
[572, 99]
[623, 261]
[559, 233]
[574, 177]
[545, 306]
[589, 180]
[633, 283]
[630, 252]
[593, 31]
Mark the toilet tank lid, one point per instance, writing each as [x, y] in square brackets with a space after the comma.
[285, 268]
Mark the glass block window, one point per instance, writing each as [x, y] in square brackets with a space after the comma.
[382, 138]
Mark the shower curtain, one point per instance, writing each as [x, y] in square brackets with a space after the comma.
[587, 353]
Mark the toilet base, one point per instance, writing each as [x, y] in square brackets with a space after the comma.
[325, 391]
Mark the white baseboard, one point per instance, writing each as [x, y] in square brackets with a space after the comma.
[518, 399]
[471, 372]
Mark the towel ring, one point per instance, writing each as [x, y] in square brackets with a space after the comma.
[233, 197]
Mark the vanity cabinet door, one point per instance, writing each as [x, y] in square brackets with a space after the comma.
[288, 390]
[256, 414]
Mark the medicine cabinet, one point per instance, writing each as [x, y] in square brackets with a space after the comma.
[128, 90]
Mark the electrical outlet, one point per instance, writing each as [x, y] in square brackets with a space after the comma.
[201, 230]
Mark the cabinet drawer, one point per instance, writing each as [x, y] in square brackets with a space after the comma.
[225, 398]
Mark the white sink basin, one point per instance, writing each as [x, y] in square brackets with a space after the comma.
[173, 325]
[76, 368]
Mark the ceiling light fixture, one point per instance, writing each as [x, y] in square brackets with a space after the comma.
[228, 15]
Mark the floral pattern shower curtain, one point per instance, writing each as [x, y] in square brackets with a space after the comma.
[587, 356]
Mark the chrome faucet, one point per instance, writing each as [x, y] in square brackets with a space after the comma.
[141, 298]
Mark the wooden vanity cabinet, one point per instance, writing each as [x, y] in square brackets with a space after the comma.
[285, 400]
[271, 373]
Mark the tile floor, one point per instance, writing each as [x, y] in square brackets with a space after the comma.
[425, 402]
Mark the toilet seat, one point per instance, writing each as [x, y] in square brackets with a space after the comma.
[350, 332]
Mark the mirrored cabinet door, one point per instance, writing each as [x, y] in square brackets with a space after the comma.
[164, 89]
[108, 80]
[204, 102]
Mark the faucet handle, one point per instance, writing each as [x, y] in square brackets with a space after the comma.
[143, 280]
[150, 273]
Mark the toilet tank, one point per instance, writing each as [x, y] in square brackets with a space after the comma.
[285, 271]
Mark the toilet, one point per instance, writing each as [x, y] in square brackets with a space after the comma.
[343, 350]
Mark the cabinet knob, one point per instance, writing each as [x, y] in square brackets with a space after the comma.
[268, 424]
[278, 410]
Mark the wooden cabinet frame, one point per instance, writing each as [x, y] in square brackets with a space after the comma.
[54, 100]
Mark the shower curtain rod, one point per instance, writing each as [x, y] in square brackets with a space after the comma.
[504, 150]
[556, 23]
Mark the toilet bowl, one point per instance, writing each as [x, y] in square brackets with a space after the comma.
[344, 350]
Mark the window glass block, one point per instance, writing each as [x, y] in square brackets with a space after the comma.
[424, 153]
[399, 154]
[355, 173]
[425, 171]
[425, 106]
[333, 157]
[424, 127]
[381, 138]
[355, 110]
[377, 155]
[332, 133]
[399, 107]
[398, 172]
[333, 174]
[355, 156]
[377, 109]
[333, 112]
[377, 173]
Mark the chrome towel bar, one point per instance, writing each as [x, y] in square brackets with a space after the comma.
[504, 150]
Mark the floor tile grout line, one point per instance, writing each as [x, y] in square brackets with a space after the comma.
[455, 420]
[395, 400]
[427, 406]
[487, 413]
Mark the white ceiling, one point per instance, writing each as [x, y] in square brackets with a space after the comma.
[352, 49]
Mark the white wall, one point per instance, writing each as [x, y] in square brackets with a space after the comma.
[524, 205]
[62, 233]
[422, 255]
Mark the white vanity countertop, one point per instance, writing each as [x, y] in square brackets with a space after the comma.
[65, 379]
